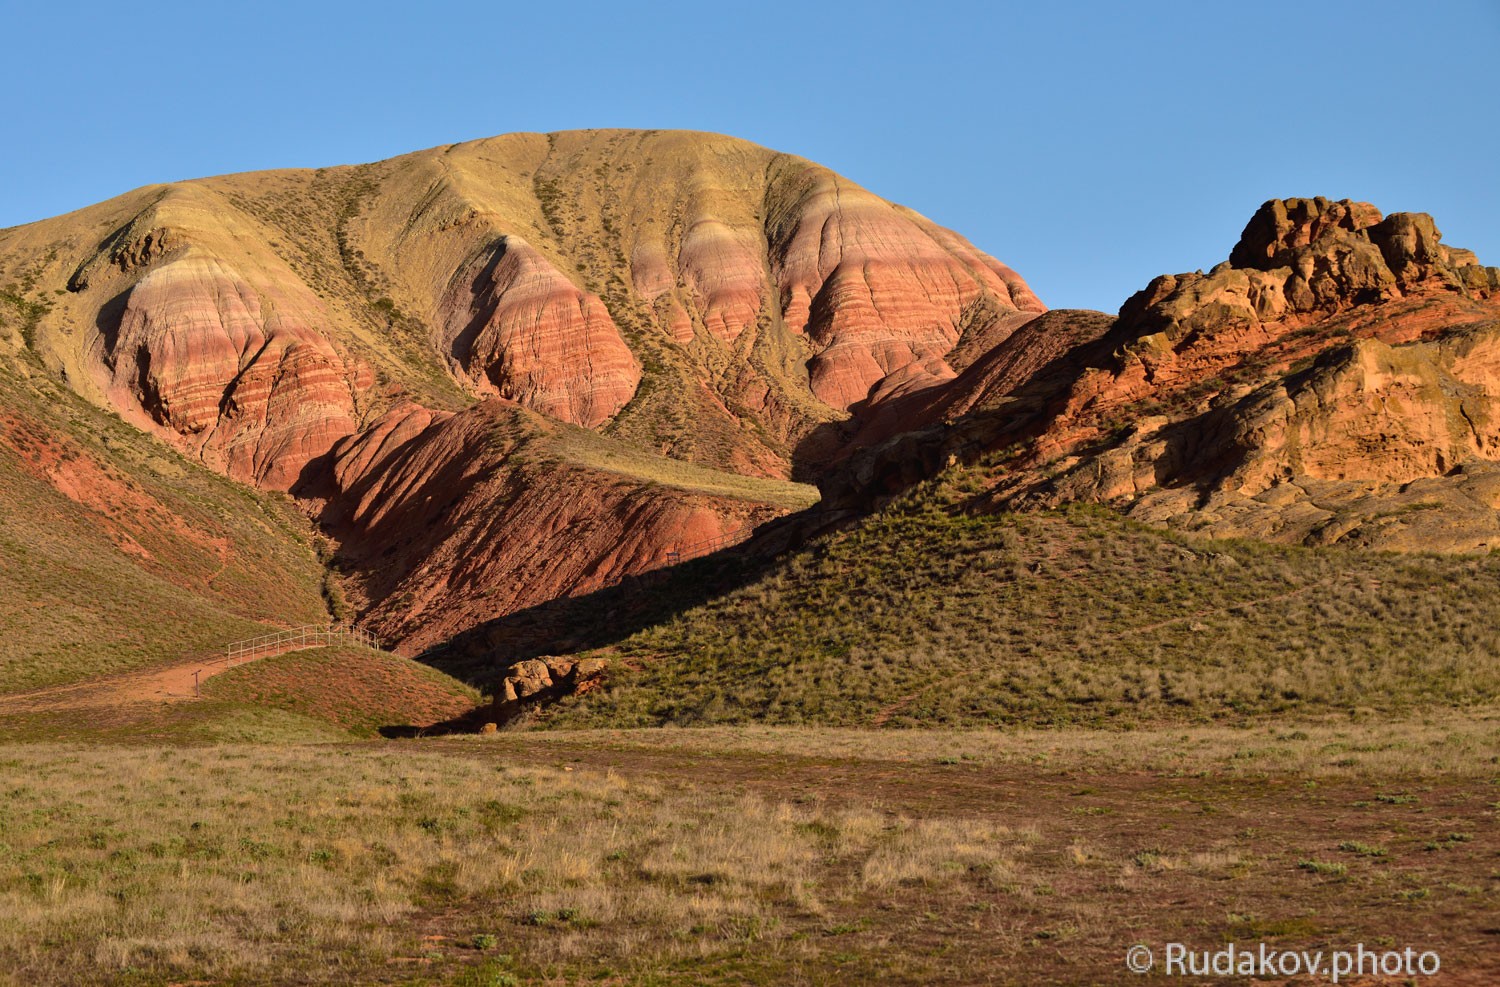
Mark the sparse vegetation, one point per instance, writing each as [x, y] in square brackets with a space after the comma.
[927, 614]
[1326, 868]
[169, 863]
[20, 313]
[149, 559]
[805, 855]
[356, 689]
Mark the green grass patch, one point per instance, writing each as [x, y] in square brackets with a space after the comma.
[926, 614]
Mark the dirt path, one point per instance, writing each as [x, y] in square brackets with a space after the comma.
[172, 684]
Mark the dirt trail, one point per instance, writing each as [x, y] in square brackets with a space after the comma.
[172, 684]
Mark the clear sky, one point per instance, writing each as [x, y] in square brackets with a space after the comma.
[1091, 145]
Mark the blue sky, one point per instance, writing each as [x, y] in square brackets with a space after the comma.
[1090, 145]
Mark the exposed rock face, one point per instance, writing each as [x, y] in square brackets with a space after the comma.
[452, 520]
[880, 292]
[528, 678]
[1335, 380]
[530, 683]
[522, 331]
[1302, 391]
[1362, 446]
[239, 374]
[248, 317]
[1282, 226]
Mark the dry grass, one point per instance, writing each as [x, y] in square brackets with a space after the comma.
[611, 455]
[926, 615]
[306, 863]
[764, 855]
[1440, 744]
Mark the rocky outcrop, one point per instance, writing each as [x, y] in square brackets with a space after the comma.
[1296, 263]
[1370, 433]
[534, 682]
[536, 677]
[1335, 380]
[1338, 361]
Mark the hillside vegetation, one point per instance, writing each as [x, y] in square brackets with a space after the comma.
[117, 553]
[356, 689]
[928, 614]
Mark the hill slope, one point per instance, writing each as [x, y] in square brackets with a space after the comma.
[930, 614]
[116, 553]
[385, 333]
[516, 371]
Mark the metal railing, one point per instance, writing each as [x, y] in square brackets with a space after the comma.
[296, 639]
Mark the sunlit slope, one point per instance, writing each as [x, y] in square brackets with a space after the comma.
[116, 552]
[925, 614]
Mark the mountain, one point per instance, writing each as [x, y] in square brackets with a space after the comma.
[471, 395]
[498, 372]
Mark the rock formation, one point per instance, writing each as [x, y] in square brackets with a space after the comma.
[449, 520]
[521, 330]
[1335, 380]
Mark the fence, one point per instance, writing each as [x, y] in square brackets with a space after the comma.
[698, 549]
[280, 642]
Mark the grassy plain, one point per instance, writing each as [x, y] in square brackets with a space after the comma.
[762, 855]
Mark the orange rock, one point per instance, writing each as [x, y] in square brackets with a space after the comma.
[1337, 380]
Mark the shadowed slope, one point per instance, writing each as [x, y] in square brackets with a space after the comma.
[926, 614]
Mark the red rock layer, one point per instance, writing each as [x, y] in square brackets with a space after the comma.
[239, 372]
[879, 291]
[522, 331]
[724, 272]
[452, 520]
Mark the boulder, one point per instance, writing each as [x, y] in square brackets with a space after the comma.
[527, 678]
